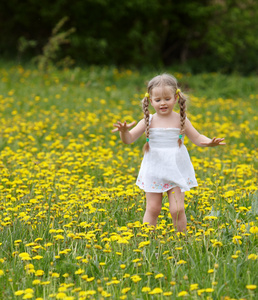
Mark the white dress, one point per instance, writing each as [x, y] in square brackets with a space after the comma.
[166, 165]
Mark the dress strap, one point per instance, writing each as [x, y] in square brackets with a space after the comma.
[150, 119]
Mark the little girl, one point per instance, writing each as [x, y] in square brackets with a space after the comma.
[166, 165]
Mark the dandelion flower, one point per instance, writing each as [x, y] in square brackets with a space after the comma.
[18, 293]
[181, 262]
[135, 278]
[61, 296]
[252, 256]
[217, 244]
[143, 244]
[209, 290]
[237, 240]
[254, 229]
[159, 276]
[156, 291]
[194, 286]
[145, 289]
[39, 273]
[28, 296]
[182, 294]
[125, 290]
[79, 272]
[251, 286]
[167, 293]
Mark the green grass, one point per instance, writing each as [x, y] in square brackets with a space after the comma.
[71, 214]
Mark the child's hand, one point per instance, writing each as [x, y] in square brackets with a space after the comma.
[214, 142]
[123, 127]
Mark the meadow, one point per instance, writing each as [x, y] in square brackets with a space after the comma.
[71, 214]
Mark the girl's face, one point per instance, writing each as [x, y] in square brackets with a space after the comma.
[163, 100]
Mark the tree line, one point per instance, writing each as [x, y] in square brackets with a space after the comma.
[205, 35]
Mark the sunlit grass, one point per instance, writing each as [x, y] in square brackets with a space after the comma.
[71, 214]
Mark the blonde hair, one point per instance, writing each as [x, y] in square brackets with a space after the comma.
[170, 81]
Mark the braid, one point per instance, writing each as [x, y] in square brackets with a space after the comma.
[145, 108]
[182, 104]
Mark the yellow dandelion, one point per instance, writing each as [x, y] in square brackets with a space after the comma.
[28, 296]
[90, 279]
[37, 257]
[135, 278]
[125, 290]
[156, 291]
[199, 292]
[146, 289]
[209, 290]
[105, 294]
[87, 293]
[170, 257]
[182, 294]
[143, 244]
[217, 244]
[181, 262]
[167, 294]
[61, 296]
[254, 229]
[39, 273]
[45, 283]
[251, 287]
[79, 271]
[194, 286]
[252, 256]
[24, 256]
[159, 276]
[19, 293]
[178, 248]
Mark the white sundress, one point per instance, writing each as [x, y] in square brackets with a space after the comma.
[166, 165]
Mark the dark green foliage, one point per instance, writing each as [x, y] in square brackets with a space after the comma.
[206, 35]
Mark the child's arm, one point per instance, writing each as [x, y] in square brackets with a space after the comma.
[127, 136]
[199, 139]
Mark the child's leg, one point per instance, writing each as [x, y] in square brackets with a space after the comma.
[153, 207]
[177, 209]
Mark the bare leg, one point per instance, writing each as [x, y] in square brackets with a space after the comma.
[177, 209]
[153, 207]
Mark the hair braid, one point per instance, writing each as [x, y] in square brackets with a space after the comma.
[145, 108]
[182, 105]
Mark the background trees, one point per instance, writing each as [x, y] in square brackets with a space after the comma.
[205, 35]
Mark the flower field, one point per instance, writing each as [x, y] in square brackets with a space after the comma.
[71, 214]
